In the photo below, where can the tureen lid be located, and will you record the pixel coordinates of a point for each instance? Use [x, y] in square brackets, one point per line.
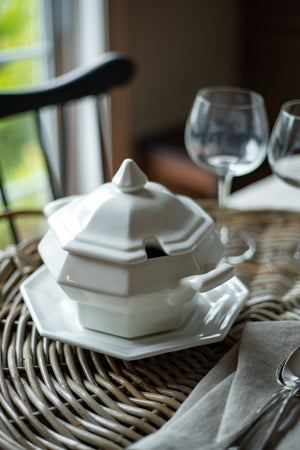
[120, 220]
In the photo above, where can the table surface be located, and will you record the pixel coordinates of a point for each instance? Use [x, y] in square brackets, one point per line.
[53, 395]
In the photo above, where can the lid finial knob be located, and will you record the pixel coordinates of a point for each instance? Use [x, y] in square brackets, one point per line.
[130, 178]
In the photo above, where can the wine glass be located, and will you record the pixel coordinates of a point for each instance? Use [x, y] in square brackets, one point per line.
[226, 133]
[284, 159]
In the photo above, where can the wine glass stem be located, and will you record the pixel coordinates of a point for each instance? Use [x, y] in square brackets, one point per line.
[224, 188]
[297, 252]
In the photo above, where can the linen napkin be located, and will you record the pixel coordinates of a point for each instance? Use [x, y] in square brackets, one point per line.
[230, 394]
[269, 193]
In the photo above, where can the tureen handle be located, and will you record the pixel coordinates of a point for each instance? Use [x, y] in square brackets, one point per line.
[55, 205]
[209, 280]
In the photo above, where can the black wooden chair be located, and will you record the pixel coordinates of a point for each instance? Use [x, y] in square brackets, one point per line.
[112, 69]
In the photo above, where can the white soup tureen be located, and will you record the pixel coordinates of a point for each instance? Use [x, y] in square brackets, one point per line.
[131, 253]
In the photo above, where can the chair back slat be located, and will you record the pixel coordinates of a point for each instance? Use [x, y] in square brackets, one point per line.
[5, 201]
[63, 145]
[43, 142]
[105, 153]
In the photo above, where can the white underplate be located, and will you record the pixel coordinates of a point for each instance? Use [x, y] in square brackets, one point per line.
[206, 319]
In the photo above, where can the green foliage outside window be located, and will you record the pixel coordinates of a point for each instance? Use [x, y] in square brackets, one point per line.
[20, 156]
[14, 13]
[20, 26]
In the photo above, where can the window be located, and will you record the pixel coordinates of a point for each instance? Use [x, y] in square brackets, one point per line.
[24, 53]
[40, 39]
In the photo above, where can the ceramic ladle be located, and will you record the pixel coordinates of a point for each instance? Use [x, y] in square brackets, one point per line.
[288, 376]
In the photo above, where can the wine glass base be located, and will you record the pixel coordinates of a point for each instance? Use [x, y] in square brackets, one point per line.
[240, 247]
[286, 260]
[288, 266]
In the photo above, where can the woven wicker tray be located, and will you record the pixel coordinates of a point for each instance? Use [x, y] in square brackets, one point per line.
[54, 395]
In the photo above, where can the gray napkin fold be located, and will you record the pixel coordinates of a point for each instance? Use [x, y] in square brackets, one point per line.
[230, 394]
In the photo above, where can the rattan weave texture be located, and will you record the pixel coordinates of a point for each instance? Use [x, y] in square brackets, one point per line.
[53, 395]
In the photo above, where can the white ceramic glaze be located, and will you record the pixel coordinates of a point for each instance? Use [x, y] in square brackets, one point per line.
[98, 249]
[205, 319]
[118, 226]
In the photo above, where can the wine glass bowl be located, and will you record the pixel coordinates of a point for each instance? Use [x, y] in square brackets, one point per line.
[284, 159]
[226, 133]
[284, 146]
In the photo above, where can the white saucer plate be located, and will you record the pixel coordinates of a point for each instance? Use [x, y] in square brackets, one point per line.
[206, 319]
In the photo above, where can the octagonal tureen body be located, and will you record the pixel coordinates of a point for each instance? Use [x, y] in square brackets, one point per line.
[131, 253]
